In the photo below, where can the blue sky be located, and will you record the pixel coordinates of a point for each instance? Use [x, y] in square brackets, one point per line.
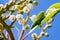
[54, 31]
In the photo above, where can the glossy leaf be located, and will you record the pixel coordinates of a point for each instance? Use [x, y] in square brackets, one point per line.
[40, 17]
[51, 12]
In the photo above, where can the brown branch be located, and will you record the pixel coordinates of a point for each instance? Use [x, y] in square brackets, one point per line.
[7, 29]
[4, 36]
[10, 33]
[7, 36]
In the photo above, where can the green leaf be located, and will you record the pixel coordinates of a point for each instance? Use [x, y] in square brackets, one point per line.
[40, 17]
[51, 12]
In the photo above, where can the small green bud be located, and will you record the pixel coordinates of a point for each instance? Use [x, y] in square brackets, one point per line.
[35, 3]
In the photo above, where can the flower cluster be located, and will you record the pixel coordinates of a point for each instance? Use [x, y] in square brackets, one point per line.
[24, 6]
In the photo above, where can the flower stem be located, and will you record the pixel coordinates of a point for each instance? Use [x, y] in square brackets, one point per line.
[20, 37]
[4, 36]
[29, 32]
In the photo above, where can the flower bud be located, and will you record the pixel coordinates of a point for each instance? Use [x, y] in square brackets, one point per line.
[3, 16]
[19, 16]
[46, 34]
[30, 1]
[26, 27]
[12, 18]
[30, 6]
[33, 18]
[35, 3]
[26, 9]
[34, 35]
[49, 25]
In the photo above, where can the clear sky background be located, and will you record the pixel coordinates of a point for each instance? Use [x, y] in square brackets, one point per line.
[54, 31]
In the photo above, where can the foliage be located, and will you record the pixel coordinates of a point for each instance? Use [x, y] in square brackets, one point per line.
[25, 6]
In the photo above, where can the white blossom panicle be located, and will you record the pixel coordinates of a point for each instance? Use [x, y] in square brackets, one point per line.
[12, 18]
[19, 16]
[33, 18]
[26, 9]
[30, 6]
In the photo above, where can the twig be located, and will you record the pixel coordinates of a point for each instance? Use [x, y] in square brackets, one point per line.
[28, 17]
[7, 29]
[29, 32]
[21, 34]
[4, 36]
[12, 23]
[43, 29]
[7, 36]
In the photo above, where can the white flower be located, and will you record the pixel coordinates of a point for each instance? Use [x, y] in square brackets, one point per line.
[12, 18]
[26, 10]
[1, 5]
[33, 18]
[19, 16]
[30, 6]
[3, 16]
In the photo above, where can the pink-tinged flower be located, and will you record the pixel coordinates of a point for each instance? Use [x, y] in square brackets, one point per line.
[22, 0]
